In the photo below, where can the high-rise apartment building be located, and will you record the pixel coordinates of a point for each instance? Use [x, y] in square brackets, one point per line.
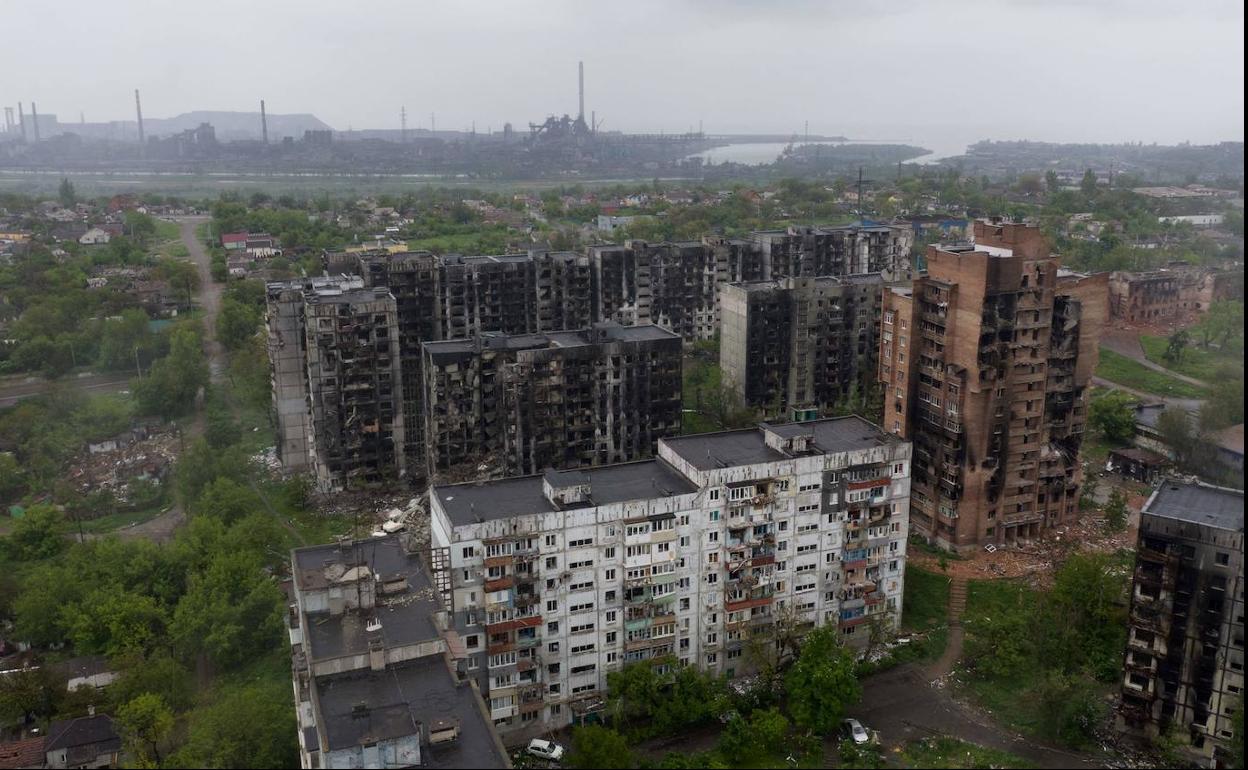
[558, 579]
[526, 402]
[1184, 663]
[355, 402]
[809, 250]
[986, 363]
[800, 345]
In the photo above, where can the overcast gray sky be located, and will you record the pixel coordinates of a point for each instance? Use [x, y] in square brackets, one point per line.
[929, 72]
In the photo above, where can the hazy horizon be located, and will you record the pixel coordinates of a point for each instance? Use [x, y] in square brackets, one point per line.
[905, 71]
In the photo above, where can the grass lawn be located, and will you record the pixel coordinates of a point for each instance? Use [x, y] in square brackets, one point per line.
[954, 753]
[1132, 374]
[115, 521]
[700, 377]
[1196, 362]
[926, 600]
[167, 231]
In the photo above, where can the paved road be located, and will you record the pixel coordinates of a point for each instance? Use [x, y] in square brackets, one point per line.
[1189, 404]
[14, 389]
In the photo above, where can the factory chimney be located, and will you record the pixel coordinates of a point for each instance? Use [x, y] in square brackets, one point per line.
[34, 119]
[264, 123]
[8, 120]
[138, 111]
[21, 120]
[580, 80]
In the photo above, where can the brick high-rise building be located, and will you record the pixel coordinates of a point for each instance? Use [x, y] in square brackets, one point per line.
[527, 402]
[986, 362]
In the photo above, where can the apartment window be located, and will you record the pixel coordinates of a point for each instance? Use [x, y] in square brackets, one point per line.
[585, 669]
[711, 537]
[611, 637]
[582, 648]
[472, 641]
[586, 607]
[581, 564]
[581, 543]
[551, 541]
[1222, 559]
[552, 562]
[553, 628]
[713, 494]
[711, 659]
[714, 516]
[470, 552]
[609, 553]
[552, 605]
[581, 629]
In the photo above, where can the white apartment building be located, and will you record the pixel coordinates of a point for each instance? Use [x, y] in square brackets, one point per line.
[558, 579]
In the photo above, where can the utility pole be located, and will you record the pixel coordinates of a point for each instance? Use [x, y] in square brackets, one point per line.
[138, 371]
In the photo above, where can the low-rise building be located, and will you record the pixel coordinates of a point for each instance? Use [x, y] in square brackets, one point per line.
[1184, 662]
[558, 579]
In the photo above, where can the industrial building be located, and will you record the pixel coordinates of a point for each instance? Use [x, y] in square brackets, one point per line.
[1184, 662]
[558, 579]
[799, 346]
[986, 363]
[522, 403]
[1171, 294]
[375, 673]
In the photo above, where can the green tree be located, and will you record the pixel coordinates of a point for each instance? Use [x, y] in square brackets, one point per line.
[1225, 405]
[755, 739]
[1113, 417]
[171, 385]
[600, 747]
[1116, 512]
[1222, 323]
[226, 500]
[822, 681]
[27, 694]
[1175, 427]
[1087, 185]
[182, 276]
[12, 477]
[140, 227]
[146, 725]
[1051, 182]
[65, 193]
[236, 323]
[39, 534]
[1176, 343]
[246, 726]
[116, 622]
[232, 611]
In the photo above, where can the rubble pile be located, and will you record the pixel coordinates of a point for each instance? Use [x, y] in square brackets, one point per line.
[113, 465]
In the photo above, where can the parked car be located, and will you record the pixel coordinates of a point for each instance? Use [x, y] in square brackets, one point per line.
[852, 730]
[546, 749]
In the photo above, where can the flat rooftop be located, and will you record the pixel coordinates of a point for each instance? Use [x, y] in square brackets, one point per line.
[708, 451]
[406, 617]
[1198, 504]
[367, 706]
[489, 500]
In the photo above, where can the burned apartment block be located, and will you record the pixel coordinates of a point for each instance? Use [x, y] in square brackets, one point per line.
[412, 278]
[676, 285]
[1184, 662]
[986, 363]
[285, 326]
[355, 399]
[723, 543]
[800, 346]
[809, 250]
[518, 404]
[378, 681]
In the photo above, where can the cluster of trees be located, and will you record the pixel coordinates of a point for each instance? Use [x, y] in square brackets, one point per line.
[662, 698]
[1058, 646]
[205, 606]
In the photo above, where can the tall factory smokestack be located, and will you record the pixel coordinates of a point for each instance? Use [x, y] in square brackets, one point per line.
[34, 119]
[21, 120]
[580, 81]
[264, 123]
[8, 120]
[138, 111]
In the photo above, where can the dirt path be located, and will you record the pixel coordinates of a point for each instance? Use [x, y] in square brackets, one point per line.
[953, 648]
